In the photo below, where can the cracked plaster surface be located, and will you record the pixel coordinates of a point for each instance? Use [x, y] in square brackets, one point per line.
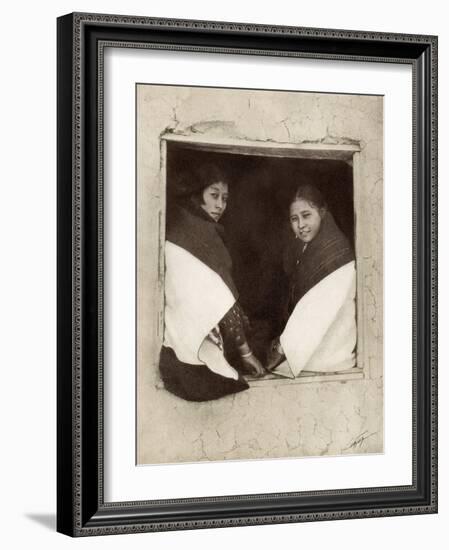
[316, 419]
[276, 421]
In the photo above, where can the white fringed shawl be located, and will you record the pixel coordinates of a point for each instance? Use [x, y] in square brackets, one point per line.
[196, 299]
[320, 334]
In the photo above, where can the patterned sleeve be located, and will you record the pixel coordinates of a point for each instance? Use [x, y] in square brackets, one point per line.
[234, 325]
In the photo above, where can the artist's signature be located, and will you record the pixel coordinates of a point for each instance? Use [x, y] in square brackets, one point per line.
[357, 443]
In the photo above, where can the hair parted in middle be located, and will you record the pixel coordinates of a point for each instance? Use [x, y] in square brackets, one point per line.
[311, 194]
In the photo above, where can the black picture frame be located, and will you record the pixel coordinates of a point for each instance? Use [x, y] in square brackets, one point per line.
[81, 510]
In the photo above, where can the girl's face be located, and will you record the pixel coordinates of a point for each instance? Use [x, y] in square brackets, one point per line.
[215, 198]
[305, 219]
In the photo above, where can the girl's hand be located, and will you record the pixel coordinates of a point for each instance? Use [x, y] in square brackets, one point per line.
[253, 365]
[275, 355]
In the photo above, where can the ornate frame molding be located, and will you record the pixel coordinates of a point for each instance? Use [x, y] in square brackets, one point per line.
[81, 41]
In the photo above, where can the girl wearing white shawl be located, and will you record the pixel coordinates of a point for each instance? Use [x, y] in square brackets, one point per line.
[202, 314]
[320, 331]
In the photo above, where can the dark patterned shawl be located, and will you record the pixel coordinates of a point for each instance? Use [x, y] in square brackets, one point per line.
[191, 228]
[326, 253]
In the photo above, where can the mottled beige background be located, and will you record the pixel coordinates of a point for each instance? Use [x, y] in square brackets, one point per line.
[331, 415]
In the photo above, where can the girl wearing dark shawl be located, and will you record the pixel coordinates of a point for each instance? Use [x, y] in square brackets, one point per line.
[202, 316]
[320, 331]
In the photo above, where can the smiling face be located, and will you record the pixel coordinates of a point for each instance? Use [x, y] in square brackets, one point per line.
[215, 198]
[305, 219]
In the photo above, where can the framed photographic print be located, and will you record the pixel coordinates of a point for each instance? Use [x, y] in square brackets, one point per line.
[247, 283]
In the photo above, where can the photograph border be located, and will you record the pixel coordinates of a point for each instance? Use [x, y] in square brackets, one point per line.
[81, 510]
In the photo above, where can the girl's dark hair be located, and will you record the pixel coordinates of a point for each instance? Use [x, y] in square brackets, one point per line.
[311, 194]
[206, 174]
[203, 176]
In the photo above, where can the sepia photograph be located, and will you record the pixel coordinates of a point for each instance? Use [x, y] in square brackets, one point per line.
[259, 276]
[247, 274]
